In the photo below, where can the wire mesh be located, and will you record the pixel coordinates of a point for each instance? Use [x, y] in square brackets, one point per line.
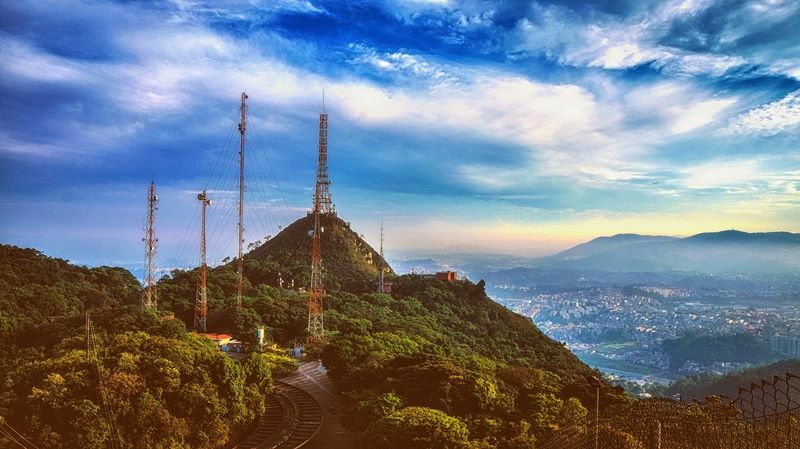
[762, 416]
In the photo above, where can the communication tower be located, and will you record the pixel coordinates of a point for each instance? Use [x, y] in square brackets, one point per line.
[201, 301]
[150, 298]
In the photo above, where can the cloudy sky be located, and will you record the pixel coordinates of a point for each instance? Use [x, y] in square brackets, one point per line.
[502, 126]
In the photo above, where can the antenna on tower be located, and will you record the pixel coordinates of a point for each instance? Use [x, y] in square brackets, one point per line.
[242, 140]
[201, 300]
[150, 298]
[322, 206]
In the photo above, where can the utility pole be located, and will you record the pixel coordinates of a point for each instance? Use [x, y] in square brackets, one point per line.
[150, 299]
[242, 139]
[322, 205]
[380, 263]
[596, 382]
[201, 301]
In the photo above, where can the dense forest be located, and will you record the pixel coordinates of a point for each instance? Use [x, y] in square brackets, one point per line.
[707, 349]
[701, 385]
[163, 387]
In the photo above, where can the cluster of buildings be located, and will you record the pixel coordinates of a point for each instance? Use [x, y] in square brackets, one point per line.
[784, 345]
[616, 325]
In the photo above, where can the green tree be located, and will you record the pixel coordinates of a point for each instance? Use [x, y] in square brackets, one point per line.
[418, 428]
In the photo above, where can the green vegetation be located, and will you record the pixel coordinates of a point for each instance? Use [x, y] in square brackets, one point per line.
[707, 349]
[701, 385]
[164, 388]
[447, 347]
[35, 289]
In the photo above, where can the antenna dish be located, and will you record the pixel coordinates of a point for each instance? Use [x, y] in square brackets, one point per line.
[311, 233]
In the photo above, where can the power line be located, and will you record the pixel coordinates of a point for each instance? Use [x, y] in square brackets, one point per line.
[11, 437]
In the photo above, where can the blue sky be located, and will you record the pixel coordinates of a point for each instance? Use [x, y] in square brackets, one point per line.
[499, 126]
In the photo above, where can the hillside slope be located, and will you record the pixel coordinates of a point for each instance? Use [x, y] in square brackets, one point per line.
[702, 385]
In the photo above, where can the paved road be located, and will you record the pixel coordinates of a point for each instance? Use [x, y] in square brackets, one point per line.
[313, 378]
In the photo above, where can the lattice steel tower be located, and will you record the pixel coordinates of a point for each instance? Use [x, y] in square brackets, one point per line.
[242, 140]
[380, 264]
[150, 298]
[201, 301]
[322, 193]
[322, 206]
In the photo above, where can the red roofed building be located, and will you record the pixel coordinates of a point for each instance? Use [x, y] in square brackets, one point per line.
[447, 276]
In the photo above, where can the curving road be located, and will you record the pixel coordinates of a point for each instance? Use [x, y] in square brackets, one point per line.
[301, 412]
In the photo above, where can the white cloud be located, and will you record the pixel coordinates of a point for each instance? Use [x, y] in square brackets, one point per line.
[21, 59]
[611, 42]
[721, 174]
[699, 114]
[398, 61]
[772, 118]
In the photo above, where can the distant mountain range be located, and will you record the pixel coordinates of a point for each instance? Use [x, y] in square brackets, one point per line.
[719, 253]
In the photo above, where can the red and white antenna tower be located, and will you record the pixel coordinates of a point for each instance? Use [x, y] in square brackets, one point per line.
[322, 206]
[150, 298]
[242, 140]
[201, 301]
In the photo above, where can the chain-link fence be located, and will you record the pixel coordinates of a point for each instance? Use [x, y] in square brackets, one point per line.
[763, 416]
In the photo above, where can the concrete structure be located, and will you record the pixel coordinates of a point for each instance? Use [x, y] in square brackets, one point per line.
[785, 345]
[447, 276]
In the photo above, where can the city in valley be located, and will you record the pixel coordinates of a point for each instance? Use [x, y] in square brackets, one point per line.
[622, 331]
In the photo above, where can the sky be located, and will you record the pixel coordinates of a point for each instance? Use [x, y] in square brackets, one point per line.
[479, 125]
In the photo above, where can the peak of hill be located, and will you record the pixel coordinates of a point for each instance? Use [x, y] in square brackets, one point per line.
[602, 244]
[734, 236]
[348, 261]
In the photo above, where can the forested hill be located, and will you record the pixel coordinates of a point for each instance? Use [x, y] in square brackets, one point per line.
[164, 387]
[437, 361]
[35, 289]
[350, 263]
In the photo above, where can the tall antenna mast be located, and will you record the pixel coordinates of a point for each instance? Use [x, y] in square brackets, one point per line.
[150, 299]
[322, 193]
[201, 301]
[380, 263]
[242, 139]
[322, 205]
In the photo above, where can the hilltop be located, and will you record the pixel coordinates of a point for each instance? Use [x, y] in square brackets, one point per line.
[350, 263]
